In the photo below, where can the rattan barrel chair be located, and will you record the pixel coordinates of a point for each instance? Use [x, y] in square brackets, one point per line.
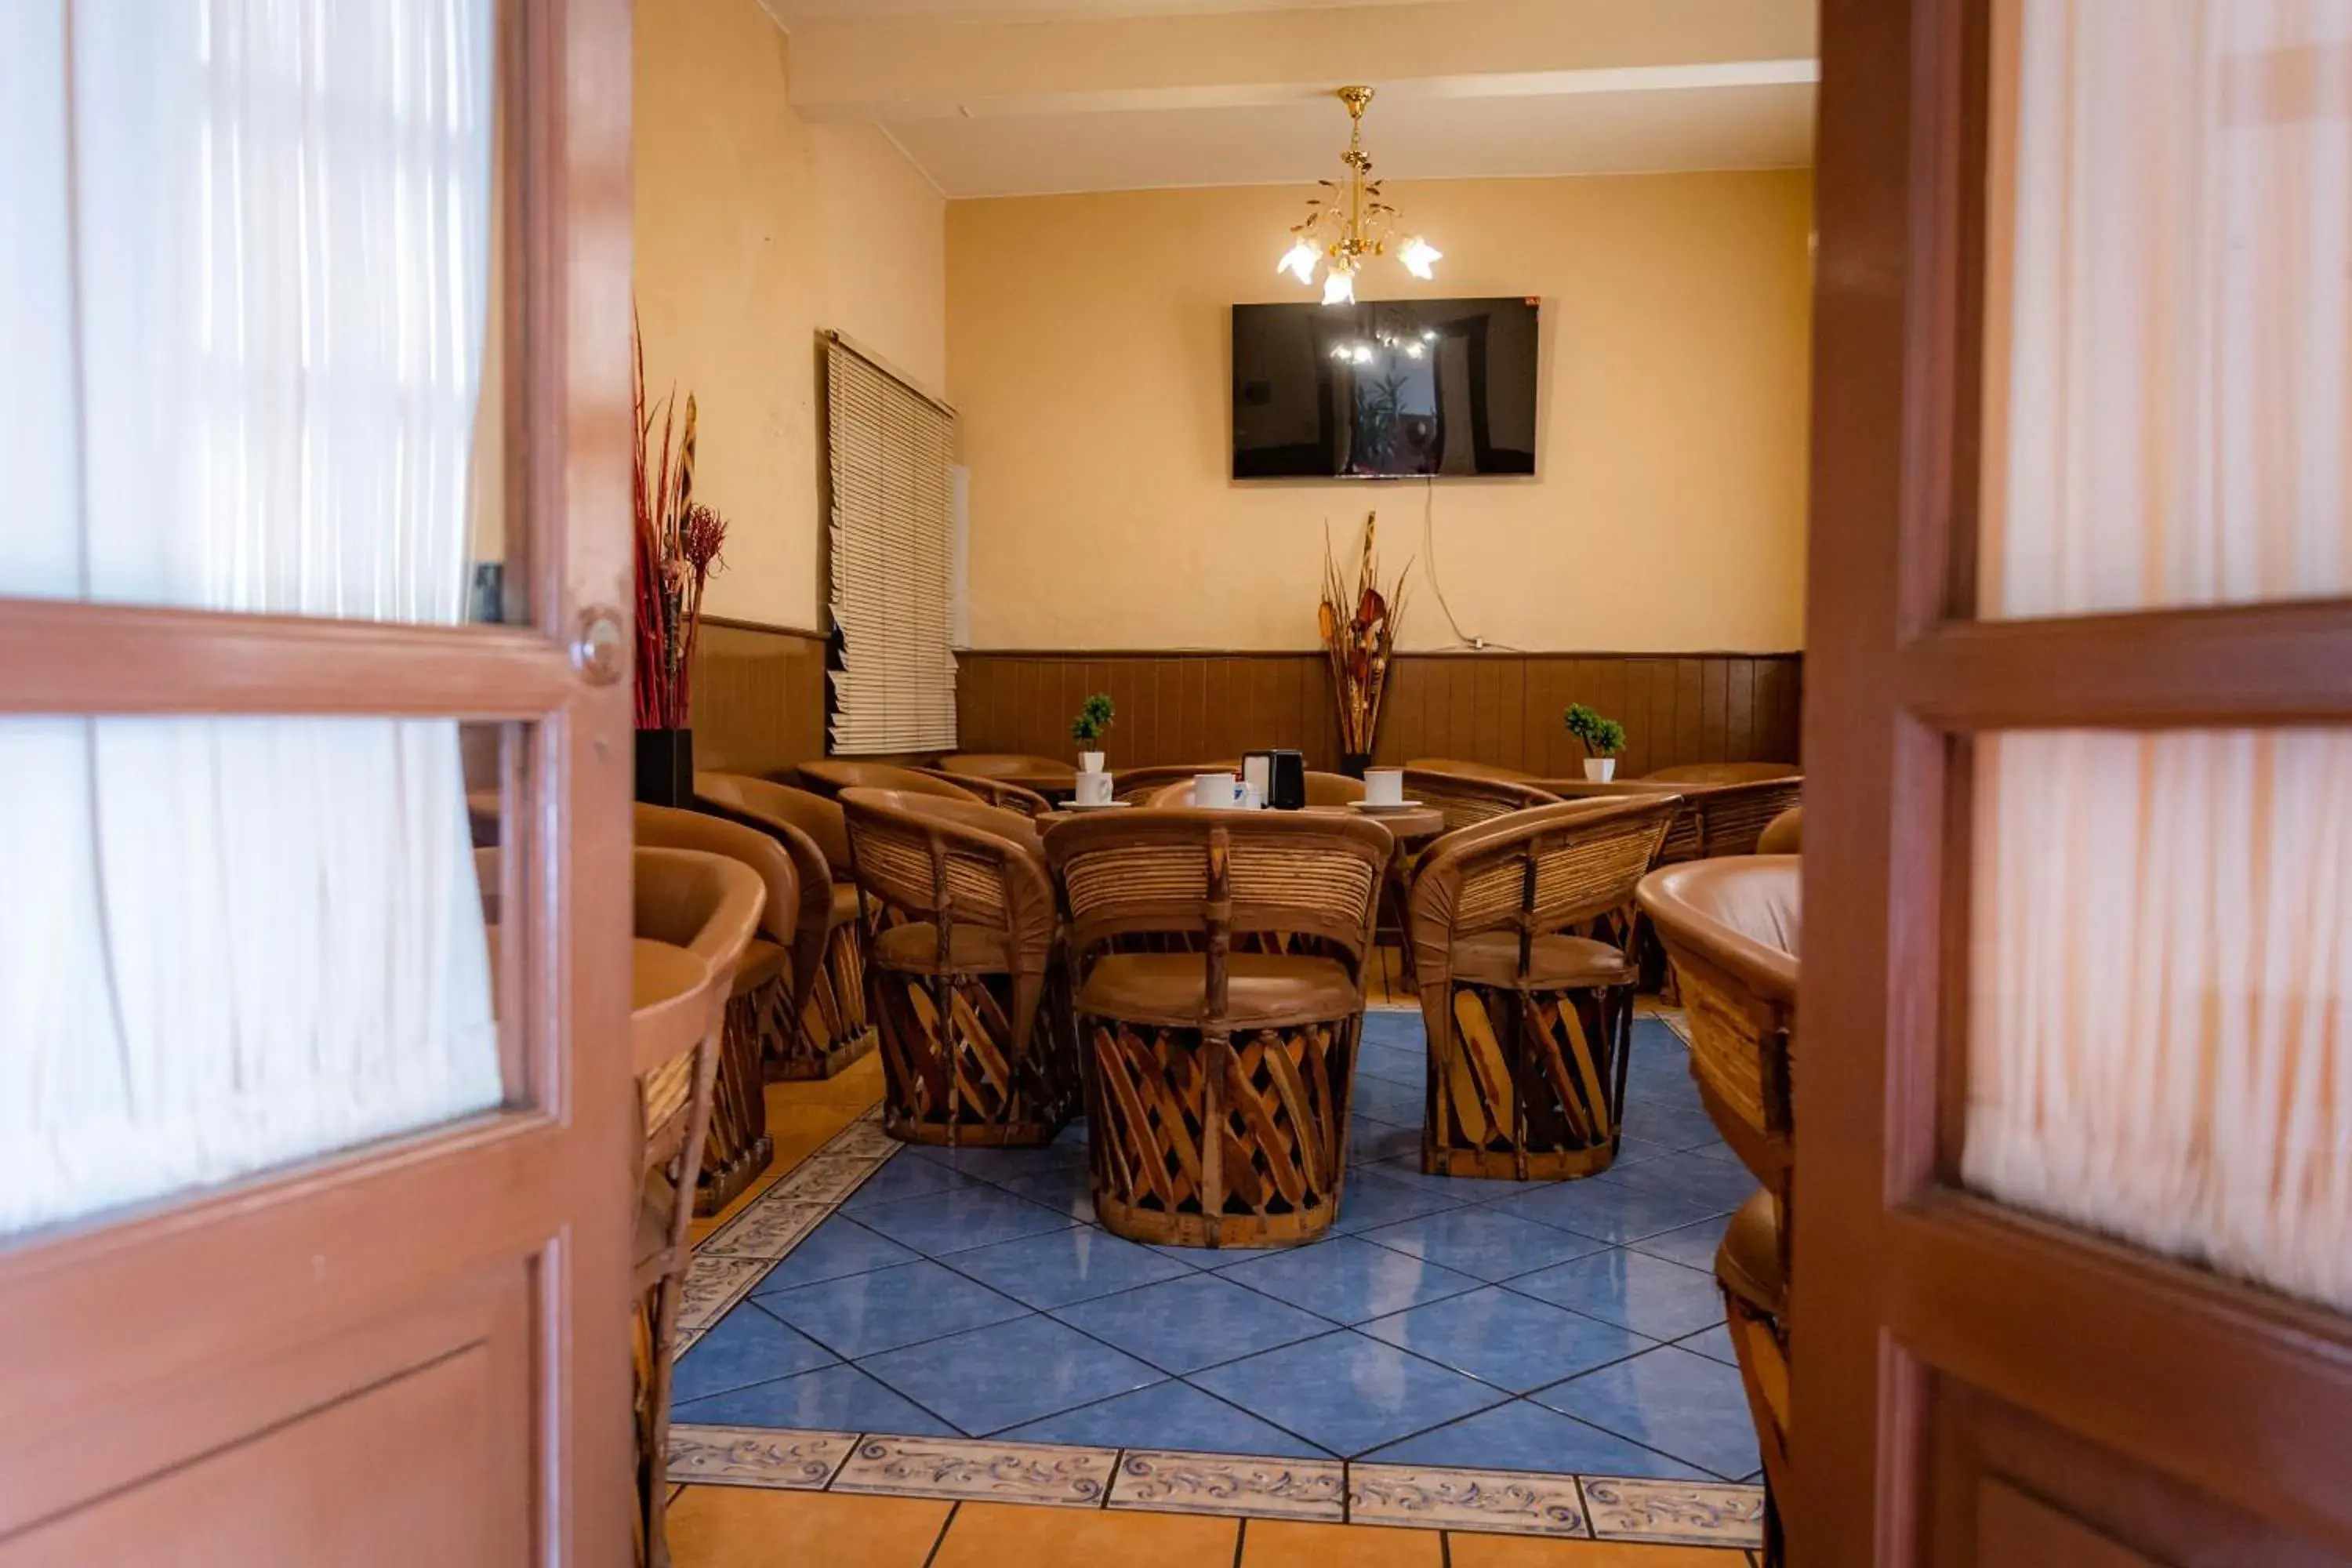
[1138, 786]
[1463, 767]
[1529, 1020]
[760, 1013]
[834, 774]
[1722, 772]
[1041, 776]
[1731, 817]
[1218, 1081]
[830, 1026]
[1784, 835]
[1463, 799]
[969, 991]
[1000, 793]
[709, 905]
[1731, 929]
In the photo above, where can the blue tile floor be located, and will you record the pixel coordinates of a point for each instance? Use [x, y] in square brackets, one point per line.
[1561, 1327]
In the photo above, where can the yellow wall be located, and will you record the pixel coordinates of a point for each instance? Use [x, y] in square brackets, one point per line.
[755, 231]
[1088, 346]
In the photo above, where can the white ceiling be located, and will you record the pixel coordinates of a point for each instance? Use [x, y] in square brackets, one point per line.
[994, 98]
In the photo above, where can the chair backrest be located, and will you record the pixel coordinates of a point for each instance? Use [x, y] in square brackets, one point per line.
[809, 828]
[834, 774]
[1003, 766]
[1220, 873]
[765, 805]
[1176, 793]
[1534, 872]
[997, 793]
[1138, 786]
[666, 827]
[1463, 767]
[1602, 789]
[708, 904]
[1722, 772]
[1731, 817]
[955, 862]
[1784, 835]
[1332, 789]
[1462, 799]
[1730, 927]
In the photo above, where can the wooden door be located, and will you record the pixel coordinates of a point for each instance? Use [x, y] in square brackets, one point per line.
[412, 1349]
[2079, 533]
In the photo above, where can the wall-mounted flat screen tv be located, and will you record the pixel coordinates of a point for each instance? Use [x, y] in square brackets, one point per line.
[1384, 390]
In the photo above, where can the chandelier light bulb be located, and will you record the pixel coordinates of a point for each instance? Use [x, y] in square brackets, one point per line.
[1352, 220]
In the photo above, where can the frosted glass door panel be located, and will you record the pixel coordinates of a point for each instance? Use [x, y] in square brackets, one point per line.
[2168, 311]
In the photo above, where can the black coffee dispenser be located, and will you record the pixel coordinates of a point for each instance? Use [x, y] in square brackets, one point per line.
[1281, 777]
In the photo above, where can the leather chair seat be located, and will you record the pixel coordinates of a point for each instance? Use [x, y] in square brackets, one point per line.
[1748, 1260]
[761, 961]
[914, 949]
[1554, 963]
[1263, 989]
[844, 905]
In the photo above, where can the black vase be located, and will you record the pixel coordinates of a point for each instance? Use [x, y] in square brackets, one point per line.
[665, 767]
[1353, 763]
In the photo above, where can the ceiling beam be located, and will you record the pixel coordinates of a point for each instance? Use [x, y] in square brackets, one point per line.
[899, 71]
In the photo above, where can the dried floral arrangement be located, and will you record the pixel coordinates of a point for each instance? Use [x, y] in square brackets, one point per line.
[1360, 624]
[678, 545]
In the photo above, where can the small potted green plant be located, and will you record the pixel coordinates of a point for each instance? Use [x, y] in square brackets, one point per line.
[1602, 738]
[1087, 729]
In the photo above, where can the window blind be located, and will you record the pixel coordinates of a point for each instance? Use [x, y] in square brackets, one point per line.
[890, 451]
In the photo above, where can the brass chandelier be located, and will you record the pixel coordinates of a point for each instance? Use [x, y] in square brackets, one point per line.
[1343, 228]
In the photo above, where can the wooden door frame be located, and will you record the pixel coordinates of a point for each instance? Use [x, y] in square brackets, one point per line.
[1909, 1291]
[266, 1276]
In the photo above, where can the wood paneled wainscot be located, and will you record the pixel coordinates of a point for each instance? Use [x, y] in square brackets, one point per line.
[759, 697]
[1497, 708]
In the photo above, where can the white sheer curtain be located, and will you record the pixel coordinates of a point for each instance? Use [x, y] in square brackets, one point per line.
[2162, 986]
[243, 281]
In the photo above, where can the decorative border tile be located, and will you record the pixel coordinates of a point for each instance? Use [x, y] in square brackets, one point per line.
[1690, 1512]
[757, 1456]
[863, 1140]
[1231, 1485]
[1501, 1502]
[713, 1285]
[824, 1177]
[998, 1472]
[766, 1229]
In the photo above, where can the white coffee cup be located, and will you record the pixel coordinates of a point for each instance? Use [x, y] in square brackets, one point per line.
[1384, 787]
[1094, 789]
[1214, 790]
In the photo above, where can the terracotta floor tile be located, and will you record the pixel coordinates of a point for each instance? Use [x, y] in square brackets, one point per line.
[856, 1086]
[1003, 1535]
[741, 1527]
[1529, 1552]
[799, 1131]
[1286, 1543]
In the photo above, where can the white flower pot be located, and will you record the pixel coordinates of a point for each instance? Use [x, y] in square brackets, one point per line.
[1600, 770]
[1090, 762]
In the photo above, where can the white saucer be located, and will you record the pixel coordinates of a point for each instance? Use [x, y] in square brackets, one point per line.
[1094, 805]
[1378, 808]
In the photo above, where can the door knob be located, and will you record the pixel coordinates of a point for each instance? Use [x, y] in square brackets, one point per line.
[597, 652]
